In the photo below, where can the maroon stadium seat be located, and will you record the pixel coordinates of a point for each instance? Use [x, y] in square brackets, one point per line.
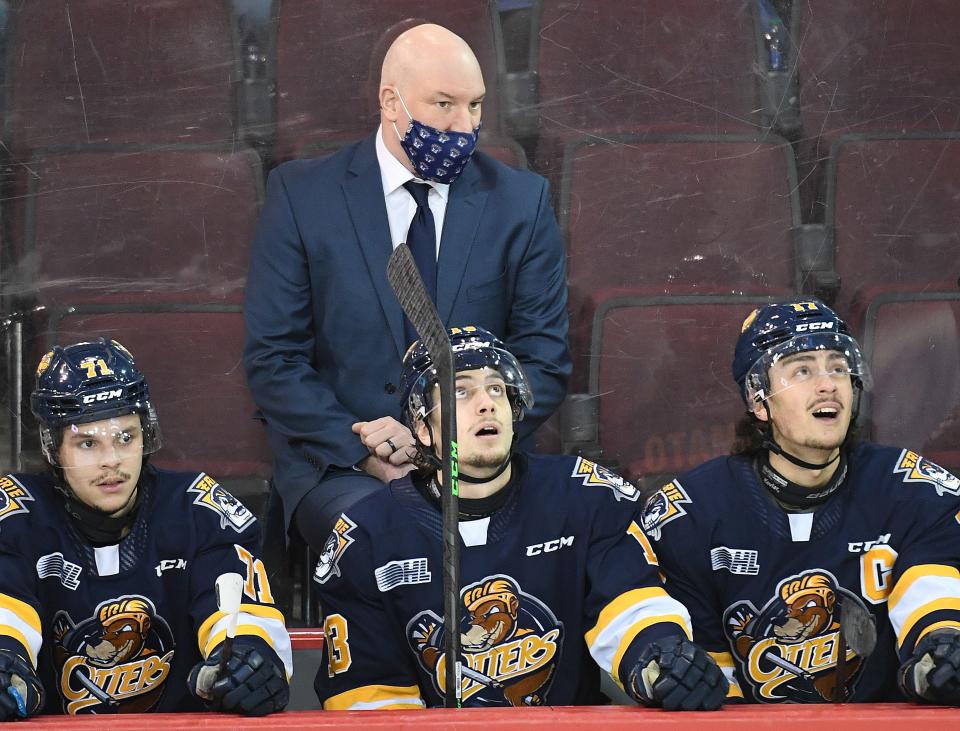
[327, 57]
[97, 221]
[712, 212]
[883, 65]
[661, 369]
[111, 71]
[191, 356]
[627, 67]
[912, 342]
[892, 204]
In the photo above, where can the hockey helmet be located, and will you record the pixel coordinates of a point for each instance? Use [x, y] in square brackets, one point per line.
[86, 382]
[473, 347]
[777, 330]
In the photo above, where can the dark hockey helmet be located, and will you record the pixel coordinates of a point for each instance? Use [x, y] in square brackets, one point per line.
[473, 347]
[88, 382]
[776, 330]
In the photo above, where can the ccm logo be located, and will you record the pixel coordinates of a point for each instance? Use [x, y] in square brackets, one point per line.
[803, 326]
[103, 396]
[550, 546]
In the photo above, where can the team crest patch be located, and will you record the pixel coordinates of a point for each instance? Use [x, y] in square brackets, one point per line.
[788, 650]
[664, 506]
[116, 661]
[593, 474]
[510, 640]
[212, 495]
[13, 497]
[334, 547]
[915, 468]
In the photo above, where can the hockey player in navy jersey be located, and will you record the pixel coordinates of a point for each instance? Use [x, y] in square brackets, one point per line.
[108, 565]
[557, 577]
[815, 567]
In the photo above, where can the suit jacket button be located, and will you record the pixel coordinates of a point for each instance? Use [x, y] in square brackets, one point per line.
[390, 388]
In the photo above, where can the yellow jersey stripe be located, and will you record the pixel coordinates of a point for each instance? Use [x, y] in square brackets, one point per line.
[27, 614]
[725, 661]
[375, 696]
[923, 610]
[615, 608]
[256, 610]
[918, 572]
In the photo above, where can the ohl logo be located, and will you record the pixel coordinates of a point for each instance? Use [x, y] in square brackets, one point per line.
[114, 662]
[788, 650]
[510, 640]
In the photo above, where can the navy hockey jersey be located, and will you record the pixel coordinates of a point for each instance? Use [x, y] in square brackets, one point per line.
[117, 629]
[766, 588]
[560, 573]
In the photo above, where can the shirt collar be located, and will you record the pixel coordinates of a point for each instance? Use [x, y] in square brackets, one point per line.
[393, 174]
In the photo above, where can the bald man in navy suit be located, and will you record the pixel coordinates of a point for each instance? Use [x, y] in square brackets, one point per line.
[325, 333]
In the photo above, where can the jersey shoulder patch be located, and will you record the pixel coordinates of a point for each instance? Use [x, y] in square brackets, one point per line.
[333, 549]
[13, 497]
[592, 474]
[213, 496]
[664, 506]
[918, 469]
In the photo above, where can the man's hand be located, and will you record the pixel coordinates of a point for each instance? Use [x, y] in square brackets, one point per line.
[253, 684]
[21, 693]
[387, 439]
[933, 671]
[678, 675]
[383, 470]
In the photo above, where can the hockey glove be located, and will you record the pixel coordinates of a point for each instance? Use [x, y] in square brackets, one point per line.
[933, 671]
[21, 693]
[678, 675]
[252, 684]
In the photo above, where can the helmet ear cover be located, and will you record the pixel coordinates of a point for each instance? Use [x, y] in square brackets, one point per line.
[87, 382]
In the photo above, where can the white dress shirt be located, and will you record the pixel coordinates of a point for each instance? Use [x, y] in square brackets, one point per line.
[401, 207]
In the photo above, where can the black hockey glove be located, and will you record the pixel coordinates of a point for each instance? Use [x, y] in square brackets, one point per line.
[678, 675]
[933, 671]
[18, 675]
[252, 684]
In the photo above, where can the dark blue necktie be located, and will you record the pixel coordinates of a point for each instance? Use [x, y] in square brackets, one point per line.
[422, 237]
[422, 240]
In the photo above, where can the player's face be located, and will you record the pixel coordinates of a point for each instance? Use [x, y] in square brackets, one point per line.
[812, 401]
[484, 421]
[101, 462]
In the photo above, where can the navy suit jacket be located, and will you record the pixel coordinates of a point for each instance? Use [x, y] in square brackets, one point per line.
[325, 333]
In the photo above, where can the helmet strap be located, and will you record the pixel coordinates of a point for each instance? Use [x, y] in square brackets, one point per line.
[427, 458]
[100, 528]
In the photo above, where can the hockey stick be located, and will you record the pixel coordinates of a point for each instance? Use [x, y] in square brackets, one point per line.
[405, 280]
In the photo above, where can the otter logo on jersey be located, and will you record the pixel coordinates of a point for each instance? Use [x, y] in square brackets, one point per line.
[13, 497]
[116, 661]
[593, 474]
[511, 642]
[334, 547]
[212, 495]
[788, 650]
[665, 505]
[915, 468]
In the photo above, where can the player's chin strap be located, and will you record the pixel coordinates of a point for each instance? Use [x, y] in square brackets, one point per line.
[769, 444]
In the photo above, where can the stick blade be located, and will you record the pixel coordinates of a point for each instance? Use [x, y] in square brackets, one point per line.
[858, 628]
[407, 285]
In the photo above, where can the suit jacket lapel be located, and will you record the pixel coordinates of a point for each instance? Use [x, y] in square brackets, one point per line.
[363, 190]
[464, 207]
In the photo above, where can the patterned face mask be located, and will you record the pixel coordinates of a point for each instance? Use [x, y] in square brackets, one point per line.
[435, 155]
